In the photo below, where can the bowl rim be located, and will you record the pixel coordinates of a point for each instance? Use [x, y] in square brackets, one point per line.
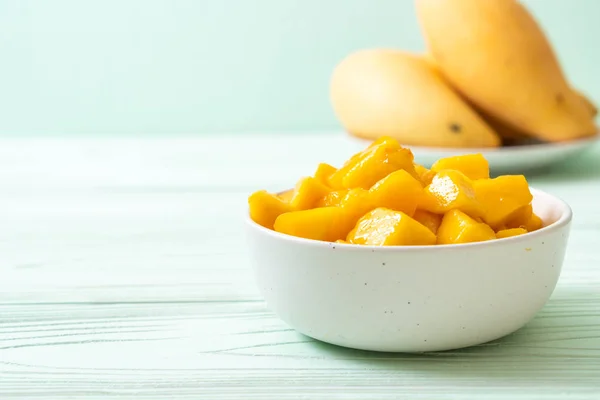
[564, 219]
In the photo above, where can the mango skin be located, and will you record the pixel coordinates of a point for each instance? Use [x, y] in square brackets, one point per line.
[497, 56]
[401, 95]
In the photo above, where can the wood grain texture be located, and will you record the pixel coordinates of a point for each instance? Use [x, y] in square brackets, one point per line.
[123, 274]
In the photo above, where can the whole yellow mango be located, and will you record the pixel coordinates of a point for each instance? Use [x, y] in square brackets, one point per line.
[384, 92]
[497, 56]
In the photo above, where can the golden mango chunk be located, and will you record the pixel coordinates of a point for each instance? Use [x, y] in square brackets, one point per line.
[356, 203]
[307, 193]
[525, 218]
[458, 227]
[385, 141]
[286, 195]
[385, 227]
[428, 219]
[473, 166]
[519, 217]
[534, 223]
[325, 224]
[266, 207]
[375, 163]
[504, 233]
[399, 191]
[451, 190]
[425, 175]
[501, 197]
[323, 172]
[335, 179]
[332, 198]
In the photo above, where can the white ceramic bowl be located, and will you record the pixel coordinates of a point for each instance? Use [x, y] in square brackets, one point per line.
[412, 298]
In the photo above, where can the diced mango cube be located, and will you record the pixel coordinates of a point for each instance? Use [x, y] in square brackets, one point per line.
[325, 224]
[398, 191]
[332, 198]
[286, 195]
[523, 217]
[501, 197]
[519, 217]
[474, 166]
[534, 223]
[266, 207]
[307, 193]
[376, 165]
[425, 175]
[323, 172]
[385, 141]
[335, 179]
[504, 233]
[458, 227]
[385, 227]
[356, 203]
[428, 219]
[451, 190]
[376, 162]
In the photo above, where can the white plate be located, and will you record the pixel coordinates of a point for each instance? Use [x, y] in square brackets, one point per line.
[505, 160]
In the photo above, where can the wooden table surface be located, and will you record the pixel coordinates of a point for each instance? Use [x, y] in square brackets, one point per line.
[123, 274]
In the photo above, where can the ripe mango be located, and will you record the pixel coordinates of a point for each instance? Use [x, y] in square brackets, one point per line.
[384, 92]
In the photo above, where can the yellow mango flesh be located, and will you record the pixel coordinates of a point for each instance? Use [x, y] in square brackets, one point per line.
[325, 224]
[385, 227]
[266, 207]
[451, 190]
[519, 217]
[534, 223]
[510, 232]
[381, 197]
[307, 193]
[524, 217]
[398, 191]
[425, 175]
[473, 166]
[501, 197]
[335, 179]
[458, 227]
[323, 172]
[375, 163]
[332, 198]
[286, 196]
[356, 203]
[428, 219]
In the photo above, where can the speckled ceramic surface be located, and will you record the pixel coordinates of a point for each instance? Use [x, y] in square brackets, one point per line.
[412, 299]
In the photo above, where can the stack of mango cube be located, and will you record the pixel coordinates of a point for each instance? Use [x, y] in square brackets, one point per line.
[381, 197]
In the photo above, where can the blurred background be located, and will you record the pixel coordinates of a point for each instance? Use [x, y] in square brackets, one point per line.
[148, 67]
